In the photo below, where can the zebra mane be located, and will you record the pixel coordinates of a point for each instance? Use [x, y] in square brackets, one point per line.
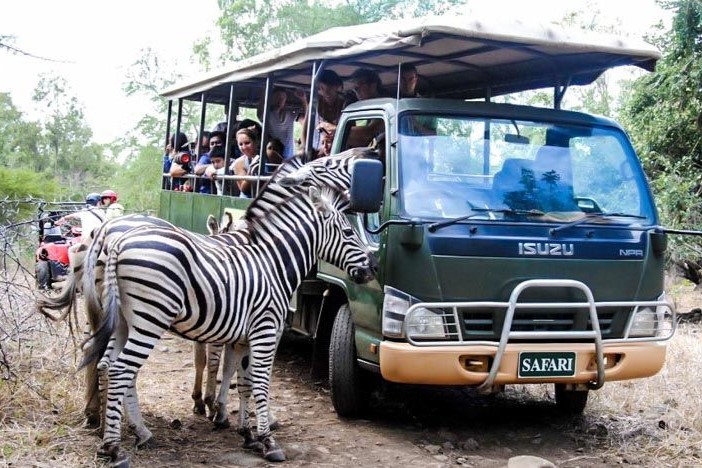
[273, 194]
[268, 210]
[286, 167]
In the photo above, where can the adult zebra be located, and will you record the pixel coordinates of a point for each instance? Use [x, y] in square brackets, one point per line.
[333, 171]
[160, 279]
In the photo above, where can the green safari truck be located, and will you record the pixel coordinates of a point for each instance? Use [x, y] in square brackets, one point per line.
[515, 244]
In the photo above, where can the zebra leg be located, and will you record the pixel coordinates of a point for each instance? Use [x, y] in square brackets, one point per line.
[243, 386]
[221, 419]
[92, 410]
[262, 353]
[200, 360]
[122, 362]
[144, 437]
[214, 351]
[101, 370]
[94, 396]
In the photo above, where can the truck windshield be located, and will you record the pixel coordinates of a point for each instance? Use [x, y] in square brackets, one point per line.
[477, 168]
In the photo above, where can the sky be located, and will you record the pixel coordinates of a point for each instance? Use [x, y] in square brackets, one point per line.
[92, 44]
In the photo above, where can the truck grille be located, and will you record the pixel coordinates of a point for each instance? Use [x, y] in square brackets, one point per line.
[486, 324]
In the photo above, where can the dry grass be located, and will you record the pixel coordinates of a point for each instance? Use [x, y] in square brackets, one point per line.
[41, 407]
[650, 422]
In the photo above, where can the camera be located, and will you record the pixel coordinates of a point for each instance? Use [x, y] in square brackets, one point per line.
[183, 159]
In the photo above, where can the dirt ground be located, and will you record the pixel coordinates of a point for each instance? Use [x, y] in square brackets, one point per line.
[645, 423]
[407, 426]
[421, 426]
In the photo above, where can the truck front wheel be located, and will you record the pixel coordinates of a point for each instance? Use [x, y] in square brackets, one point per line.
[570, 402]
[349, 384]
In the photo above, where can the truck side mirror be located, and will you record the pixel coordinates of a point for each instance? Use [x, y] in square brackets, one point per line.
[366, 192]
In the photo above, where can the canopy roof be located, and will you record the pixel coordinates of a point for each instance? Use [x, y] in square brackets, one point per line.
[455, 57]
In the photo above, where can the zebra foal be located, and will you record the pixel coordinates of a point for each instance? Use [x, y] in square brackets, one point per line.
[160, 279]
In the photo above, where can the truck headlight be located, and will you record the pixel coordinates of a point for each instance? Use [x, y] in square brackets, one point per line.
[644, 323]
[395, 305]
[423, 323]
[652, 321]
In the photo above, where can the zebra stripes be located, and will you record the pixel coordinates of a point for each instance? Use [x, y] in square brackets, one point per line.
[334, 171]
[161, 279]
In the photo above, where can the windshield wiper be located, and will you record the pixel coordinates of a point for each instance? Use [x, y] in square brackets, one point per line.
[591, 216]
[478, 211]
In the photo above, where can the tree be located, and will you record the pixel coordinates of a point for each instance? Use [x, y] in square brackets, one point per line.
[19, 145]
[249, 27]
[665, 108]
[66, 139]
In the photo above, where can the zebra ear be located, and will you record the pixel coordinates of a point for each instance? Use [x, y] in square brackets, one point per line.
[297, 177]
[228, 222]
[319, 202]
[212, 225]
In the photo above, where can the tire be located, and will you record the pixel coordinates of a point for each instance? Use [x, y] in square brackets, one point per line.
[571, 402]
[350, 391]
[43, 274]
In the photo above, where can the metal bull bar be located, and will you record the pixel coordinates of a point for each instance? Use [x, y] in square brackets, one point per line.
[508, 334]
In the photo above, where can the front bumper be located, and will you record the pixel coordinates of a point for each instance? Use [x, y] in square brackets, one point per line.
[455, 365]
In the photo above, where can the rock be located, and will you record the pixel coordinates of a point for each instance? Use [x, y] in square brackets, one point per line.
[164, 349]
[529, 461]
[505, 451]
[323, 450]
[441, 458]
[433, 449]
[447, 446]
[447, 435]
[470, 445]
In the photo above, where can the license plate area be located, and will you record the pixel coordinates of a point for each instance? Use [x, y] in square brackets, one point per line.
[533, 365]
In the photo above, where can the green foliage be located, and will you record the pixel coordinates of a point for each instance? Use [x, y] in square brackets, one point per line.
[148, 77]
[19, 145]
[138, 182]
[26, 183]
[665, 108]
[249, 27]
[65, 145]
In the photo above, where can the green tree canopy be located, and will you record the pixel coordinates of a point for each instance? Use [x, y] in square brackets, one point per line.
[664, 109]
[249, 27]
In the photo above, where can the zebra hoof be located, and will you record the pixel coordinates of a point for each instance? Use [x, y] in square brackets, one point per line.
[199, 408]
[249, 442]
[121, 463]
[223, 424]
[118, 459]
[92, 421]
[110, 451]
[272, 451]
[145, 444]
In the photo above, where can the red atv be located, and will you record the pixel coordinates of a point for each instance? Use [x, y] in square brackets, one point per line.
[51, 256]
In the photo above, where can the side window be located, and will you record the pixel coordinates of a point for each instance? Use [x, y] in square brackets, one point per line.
[360, 133]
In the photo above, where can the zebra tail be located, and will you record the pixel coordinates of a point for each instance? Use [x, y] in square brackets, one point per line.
[95, 346]
[89, 289]
[64, 299]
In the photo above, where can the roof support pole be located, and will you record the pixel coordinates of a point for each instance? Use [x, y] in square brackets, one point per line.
[264, 131]
[168, 121]
[230, 128]
[312, 109]
[201, 130]
[558, 93]
[179, 119]
[232, 111]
